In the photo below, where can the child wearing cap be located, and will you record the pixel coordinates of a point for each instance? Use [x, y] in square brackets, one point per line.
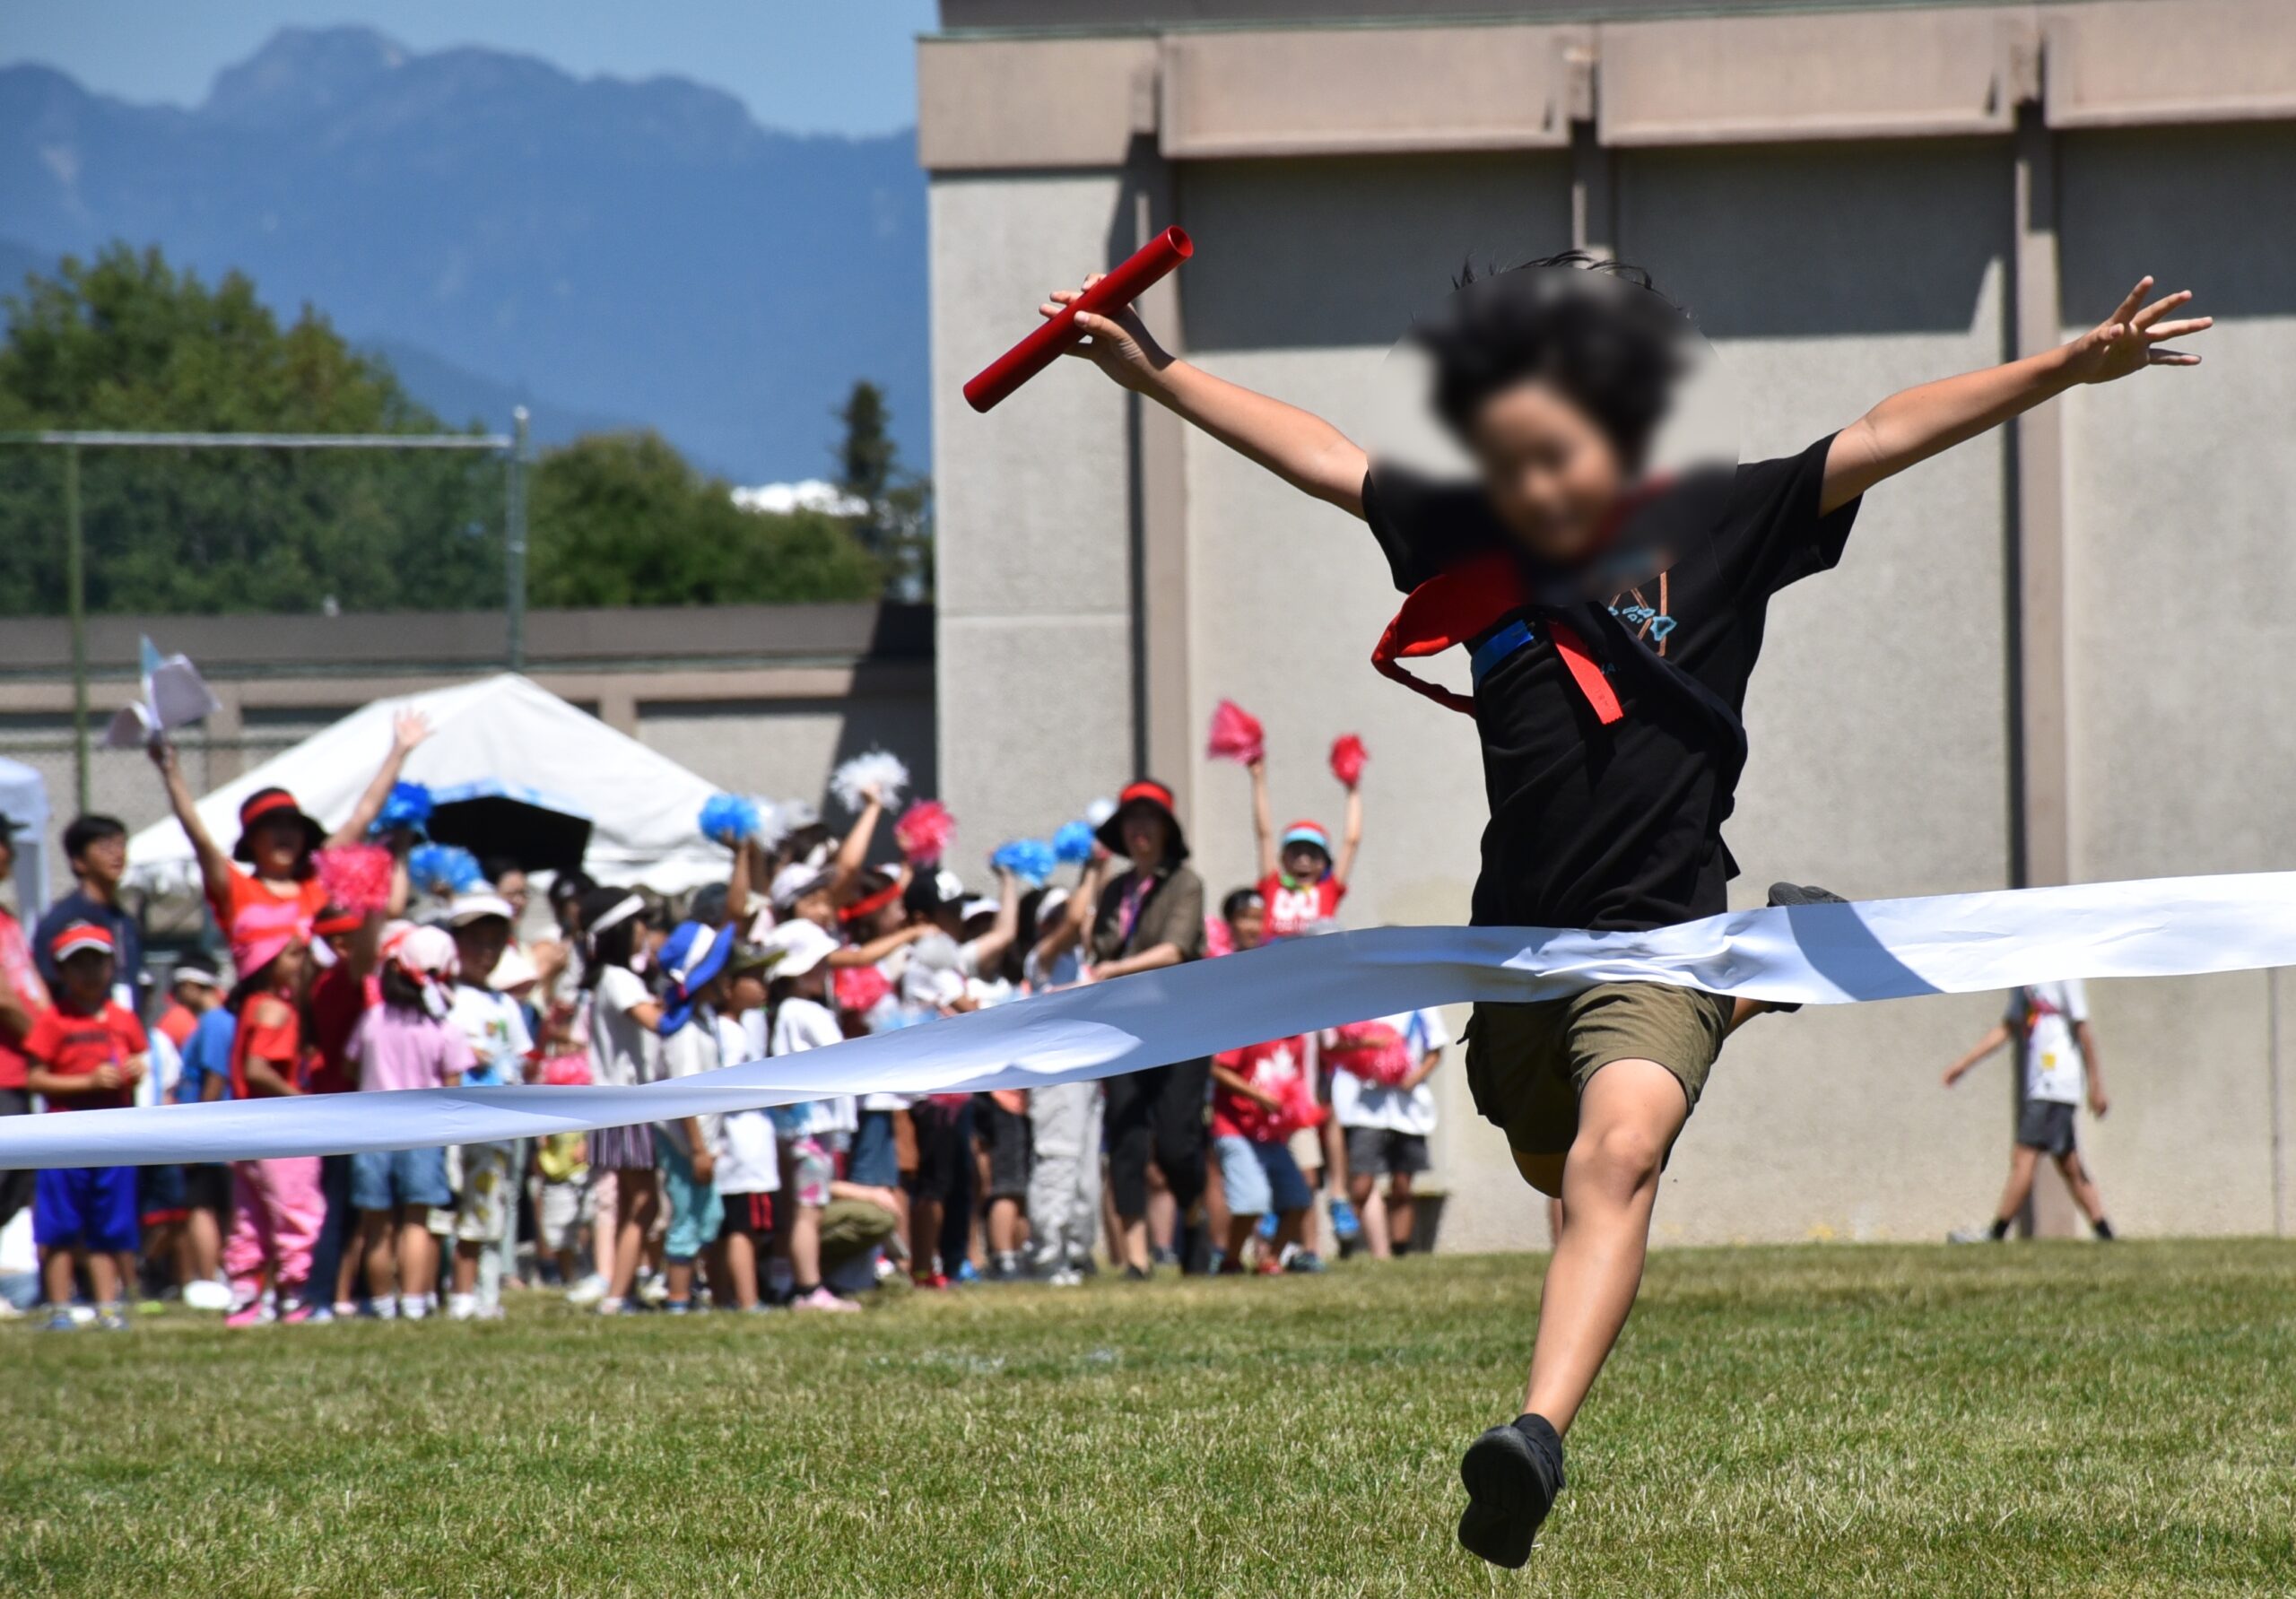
[808, 1132]
[494, 1026]
[85, 1052]
[406, 1041]
[624, 1052]
[749, 1162]
[1064, 1119]
[685, 1150]
[276, 836]
[1301, 881]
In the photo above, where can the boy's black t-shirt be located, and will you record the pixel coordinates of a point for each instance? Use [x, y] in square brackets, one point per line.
[1619, 827]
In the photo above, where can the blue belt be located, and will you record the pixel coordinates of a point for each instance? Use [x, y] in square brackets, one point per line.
[1511, 636]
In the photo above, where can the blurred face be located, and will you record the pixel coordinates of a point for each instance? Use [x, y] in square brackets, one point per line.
[196, 997]
[819, 909]
[885, 919]
[7, 856]
[746, 994]
[1304, 863]
[513, 888]
[287, 970]
[87, 979]
[568, 909]
[1552, 474]
[479, 945]
[1147, 836]
[104, 862]
[1249, 926]
[276, 842]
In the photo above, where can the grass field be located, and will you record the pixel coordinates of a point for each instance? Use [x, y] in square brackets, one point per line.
[2062, 1418]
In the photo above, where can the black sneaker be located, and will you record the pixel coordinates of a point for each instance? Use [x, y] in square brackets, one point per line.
[1512, 1475]
[1782, 894]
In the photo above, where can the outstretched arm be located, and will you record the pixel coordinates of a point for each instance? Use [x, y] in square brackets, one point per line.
[214, 865]
[1985, 1045]
[1299, 446]
[1920, 422]
[1351, 838]
[853, 851]
[1263, 821]
[408, 729]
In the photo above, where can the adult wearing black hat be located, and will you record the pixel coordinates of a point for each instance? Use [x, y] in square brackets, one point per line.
[1150, 916]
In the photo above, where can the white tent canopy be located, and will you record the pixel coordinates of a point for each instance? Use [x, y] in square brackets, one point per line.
[502, 731]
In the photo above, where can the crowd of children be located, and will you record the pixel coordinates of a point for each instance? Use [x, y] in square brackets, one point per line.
[409, 982]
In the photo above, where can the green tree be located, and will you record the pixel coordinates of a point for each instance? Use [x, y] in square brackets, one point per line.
[127, 342]
[896, 527]
[623, 519]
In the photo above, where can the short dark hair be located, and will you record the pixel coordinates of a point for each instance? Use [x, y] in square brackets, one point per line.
[1239, 901]
[500, 866]
[90, 827]
[1597, 330]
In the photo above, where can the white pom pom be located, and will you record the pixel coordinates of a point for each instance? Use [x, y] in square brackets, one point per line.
[1099, 811]
[773, 824]
[879, 771]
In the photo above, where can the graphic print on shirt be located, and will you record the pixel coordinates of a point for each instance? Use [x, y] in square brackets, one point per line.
[1651, 623]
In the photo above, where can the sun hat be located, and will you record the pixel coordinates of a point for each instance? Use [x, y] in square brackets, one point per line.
[199, 976]
[475, 904]
[799, 946]
[1148, 792]
[263, 804]
[516, 969]
[692, 959]
[262, 930]
[793, 882]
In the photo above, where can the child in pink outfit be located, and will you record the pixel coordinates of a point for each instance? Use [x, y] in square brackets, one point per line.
[278, 1207]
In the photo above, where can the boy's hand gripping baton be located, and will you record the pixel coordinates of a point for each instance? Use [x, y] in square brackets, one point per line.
[1131, 279]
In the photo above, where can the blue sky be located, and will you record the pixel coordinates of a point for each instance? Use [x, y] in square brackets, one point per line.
[846, 67]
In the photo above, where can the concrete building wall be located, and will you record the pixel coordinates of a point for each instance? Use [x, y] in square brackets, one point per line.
[1033, 556]
[2182, 579]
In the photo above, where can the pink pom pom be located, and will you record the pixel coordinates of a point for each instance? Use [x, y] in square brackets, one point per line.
[1372, 1051]
[1236, 734]
[924, 832]
[357, 877]
[1347, 759]
[860, 988]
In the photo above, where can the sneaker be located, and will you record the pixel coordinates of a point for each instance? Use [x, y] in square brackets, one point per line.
[306, 1316]
[1066, 1277]
[112, 1319]
[933, 1282]
[1133, 1273]
[1307, 1263]
[1345, 1226]
[255, 1312]
[60, 1320]
[8, 1311]
[965, 1272]
[345, 1309]
[821, 1298]
[587, 1292]
[1231, 1265]
[653, 1290]
[413, 1307]
[207, 1295]
[677, 1306]
[383, 1310]
[1972, 1235]
[461, 1307]
[1004, 1268]
[1512, 1475]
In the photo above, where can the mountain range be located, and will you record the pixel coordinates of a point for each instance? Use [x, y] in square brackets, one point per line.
[612, 253]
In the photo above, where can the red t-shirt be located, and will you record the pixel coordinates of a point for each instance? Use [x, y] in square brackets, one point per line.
[176, 1023]
[1291, 911]
[269, 1029]
[336, 1004]
[1283, 1068]
[309, 897]
[74, 1044]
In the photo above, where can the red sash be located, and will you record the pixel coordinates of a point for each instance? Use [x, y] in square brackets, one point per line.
[1456, 606]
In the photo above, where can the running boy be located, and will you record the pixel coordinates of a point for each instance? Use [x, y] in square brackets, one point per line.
[2050, 1022]
[87, 1053]
[1612, 743]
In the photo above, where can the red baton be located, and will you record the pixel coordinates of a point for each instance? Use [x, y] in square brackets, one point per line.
[1138, 272]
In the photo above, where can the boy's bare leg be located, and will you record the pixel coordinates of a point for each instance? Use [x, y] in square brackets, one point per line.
[1362, 1191]
[375, 1249]
[1628, 1118]
[103, 1276]
[2085, 1192]
[1397, 1213]
[2019, 1187]
[59, 1275]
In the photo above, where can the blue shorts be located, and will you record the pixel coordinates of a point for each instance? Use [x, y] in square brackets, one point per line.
[1261, 1177]
[696, 1210]
[85, 1207]
[381, 1179]
[874, 1162]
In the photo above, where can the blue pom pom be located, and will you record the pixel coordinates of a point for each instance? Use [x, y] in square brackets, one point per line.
[408, 807]
[728, 819]
[1032, 860]
[1073, 842]
[444, 870]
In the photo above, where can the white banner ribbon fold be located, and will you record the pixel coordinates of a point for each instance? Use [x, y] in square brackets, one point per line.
[1816, 954]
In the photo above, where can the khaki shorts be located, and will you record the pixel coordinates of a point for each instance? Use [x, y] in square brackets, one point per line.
[1528, 1063]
